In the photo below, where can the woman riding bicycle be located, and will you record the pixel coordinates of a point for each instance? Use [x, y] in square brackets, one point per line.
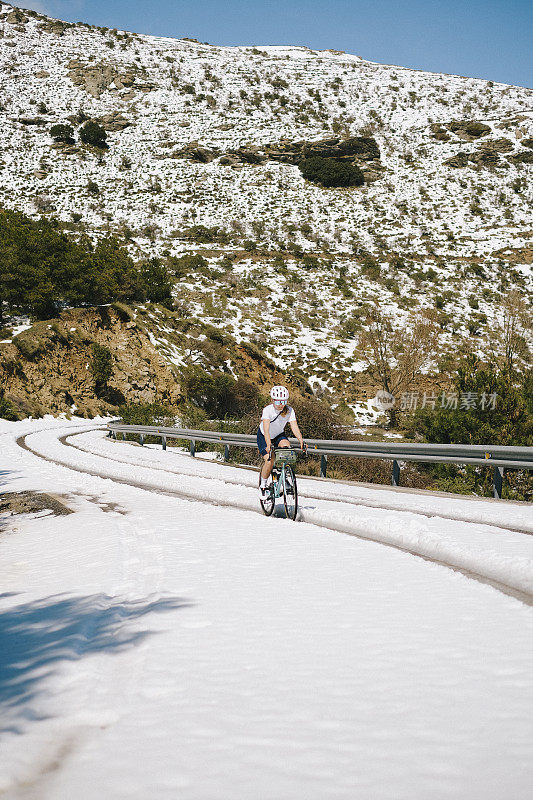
[271, 434]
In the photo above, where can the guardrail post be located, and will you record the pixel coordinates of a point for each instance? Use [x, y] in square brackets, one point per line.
[497, 483]
[323, 466]
[113, 434]
[141, 439]
[226, 452]
[192, 448]
[164, 442]
[395, 473]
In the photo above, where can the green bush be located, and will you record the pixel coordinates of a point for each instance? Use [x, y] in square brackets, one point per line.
[157, 286]
[509, 423]
[220, 395]
[42, 269]
[147, 414]
[186, 265]
[62, 133]
[92, 133]
[205, 235]
[327, 172]
[101, 366]
[7, 409]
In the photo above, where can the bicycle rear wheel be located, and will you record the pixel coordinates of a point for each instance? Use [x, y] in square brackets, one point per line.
[269, 502]
[290, 493]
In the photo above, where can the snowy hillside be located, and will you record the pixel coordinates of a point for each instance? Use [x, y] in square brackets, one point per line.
[442, 223]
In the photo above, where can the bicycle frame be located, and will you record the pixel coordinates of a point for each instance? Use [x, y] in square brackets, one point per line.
[283, 484]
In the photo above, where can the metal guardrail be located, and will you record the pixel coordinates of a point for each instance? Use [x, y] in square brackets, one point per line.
[496, 457]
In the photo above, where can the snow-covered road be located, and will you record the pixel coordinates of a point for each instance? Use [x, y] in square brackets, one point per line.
[157, 646]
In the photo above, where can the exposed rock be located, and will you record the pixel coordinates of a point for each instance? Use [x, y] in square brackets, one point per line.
[496, 146]
[195, 152]
[524, 157]
[527, 142]
[127, 79]
[31, 121]
[469, 131]
[439, 133]
[114, 122]
[362, 148]
[54, 26]
[65, 148]
[46, 366]
[31, 502]
[485, 159]
[230, 161]
[16, 17]
[42, 74]
[458, 160]
[94, 79]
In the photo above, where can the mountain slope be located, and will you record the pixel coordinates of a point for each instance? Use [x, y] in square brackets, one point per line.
[197, 139]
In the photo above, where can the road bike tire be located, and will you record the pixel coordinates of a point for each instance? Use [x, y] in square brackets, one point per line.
[290, 493]
[268, 504]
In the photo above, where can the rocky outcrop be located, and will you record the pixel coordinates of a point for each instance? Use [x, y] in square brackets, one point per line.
[502, 145]
[16, 17]
[114, 122]
[98, 78]
[469, 131]
[486, 155]
[360, 150]
[438, 133]
[523, 157]
[46, 368]
[354, 148]
[458, 160]
[196, 152]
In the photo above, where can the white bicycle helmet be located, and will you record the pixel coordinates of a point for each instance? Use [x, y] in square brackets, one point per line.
[279, 393]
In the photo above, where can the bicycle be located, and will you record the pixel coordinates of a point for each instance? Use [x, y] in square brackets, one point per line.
[283, 483]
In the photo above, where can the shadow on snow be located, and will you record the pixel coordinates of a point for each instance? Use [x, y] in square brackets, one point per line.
[36, 637]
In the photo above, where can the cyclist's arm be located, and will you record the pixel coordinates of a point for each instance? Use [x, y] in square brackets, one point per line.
[266, 428]
[297, 432]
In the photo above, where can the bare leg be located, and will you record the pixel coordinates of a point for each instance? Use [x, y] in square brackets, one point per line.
[266, 469]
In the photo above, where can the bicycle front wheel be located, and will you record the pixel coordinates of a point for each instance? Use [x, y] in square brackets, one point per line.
[290, 493]
[269, 501]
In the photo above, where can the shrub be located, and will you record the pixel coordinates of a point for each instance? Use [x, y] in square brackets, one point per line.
[157, 286]
[7, 409]
[92, 133]
[92, 187]
[185, 265]
[147, 414]
[101, 366]
[62, 133]
[220, 395]
[43, 268]
[327, 172]
[205, 235]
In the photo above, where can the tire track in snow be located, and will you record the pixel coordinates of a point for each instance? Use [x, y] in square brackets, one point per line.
[325, 496]
[518, 593]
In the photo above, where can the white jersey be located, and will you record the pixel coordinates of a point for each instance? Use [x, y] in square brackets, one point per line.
[277, 420]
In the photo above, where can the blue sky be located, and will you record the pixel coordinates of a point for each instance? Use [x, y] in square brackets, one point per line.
[489, 39]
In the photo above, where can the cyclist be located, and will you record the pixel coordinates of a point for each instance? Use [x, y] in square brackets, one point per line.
[271, 434]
